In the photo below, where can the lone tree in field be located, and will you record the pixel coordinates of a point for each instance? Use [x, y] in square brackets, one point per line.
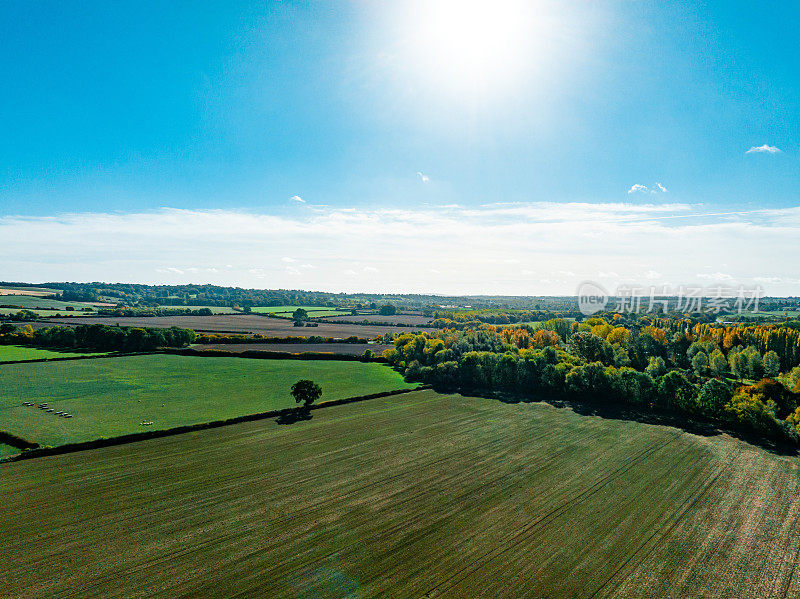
[300, 315]
[307, 392]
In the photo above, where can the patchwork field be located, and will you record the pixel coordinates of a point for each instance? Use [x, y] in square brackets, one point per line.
[239, 323]
[112, 396]
[15, 353]
[347, 349]
[419, 495]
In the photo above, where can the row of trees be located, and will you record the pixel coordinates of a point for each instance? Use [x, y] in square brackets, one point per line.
[586, 365]
[98, 337]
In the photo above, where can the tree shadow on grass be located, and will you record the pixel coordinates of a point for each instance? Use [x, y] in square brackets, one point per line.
[294, 416]
[695, 425]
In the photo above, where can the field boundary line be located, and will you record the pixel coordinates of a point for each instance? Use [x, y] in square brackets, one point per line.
[189, 428]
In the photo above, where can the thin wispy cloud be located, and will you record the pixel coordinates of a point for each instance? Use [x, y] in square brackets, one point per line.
[297, 199]
[765, 149]
[423, 177]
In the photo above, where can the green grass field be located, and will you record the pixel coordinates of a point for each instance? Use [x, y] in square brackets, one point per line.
[7, 450]
[112, 396]
[418, 495]
[287, 311]
[15, 353]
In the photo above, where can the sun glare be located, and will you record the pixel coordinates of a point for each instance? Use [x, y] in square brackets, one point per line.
[474, 44]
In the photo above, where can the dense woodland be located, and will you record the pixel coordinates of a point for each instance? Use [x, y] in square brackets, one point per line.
[747, 376]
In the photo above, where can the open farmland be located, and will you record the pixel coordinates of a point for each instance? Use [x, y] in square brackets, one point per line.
[47, 313]
[410, 319]
[240, 324]
[40, 291]
[16, 353]
[112, 396]
[287, 311]
[34, 302]
[347, 349]
[214, 309]
[419, 495]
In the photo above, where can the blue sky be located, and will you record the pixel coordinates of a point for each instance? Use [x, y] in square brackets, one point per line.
[124, 110]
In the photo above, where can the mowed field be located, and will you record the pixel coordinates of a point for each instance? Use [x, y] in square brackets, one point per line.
[109, 397]
[347, 349]
[418, 495]
[242, 324]
[16, 353]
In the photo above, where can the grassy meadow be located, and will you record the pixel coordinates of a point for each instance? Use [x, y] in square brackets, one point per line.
[287, 311]
[16, 353]
[113, 396]
[7, 450]
[418, 495]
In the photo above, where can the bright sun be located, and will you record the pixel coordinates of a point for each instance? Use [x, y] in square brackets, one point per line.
[474, 44]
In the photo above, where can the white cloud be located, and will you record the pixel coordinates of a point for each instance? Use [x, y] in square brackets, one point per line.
[639, 188]
[765, 149]
[371, 269]
[297, 199]
[661, 243]
[288, 259]
[423, 177]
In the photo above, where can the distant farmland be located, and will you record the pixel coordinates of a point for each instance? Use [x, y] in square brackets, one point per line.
[412, 319]
[113, 396]
[419, 495]
[239, 323]
[288, 311]
[33, 302]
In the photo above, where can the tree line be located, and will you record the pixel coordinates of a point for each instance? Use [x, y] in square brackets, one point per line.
[690, 370]
[97, 337]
